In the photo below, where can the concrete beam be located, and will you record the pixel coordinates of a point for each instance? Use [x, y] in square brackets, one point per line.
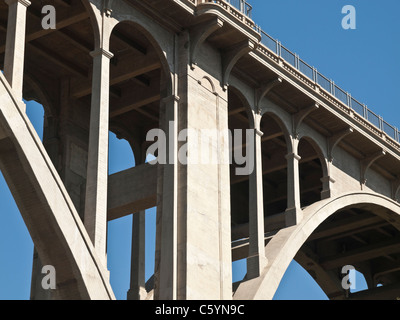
[335, 139]
[264, 89]
[387, 292]
[367, 162]
[132, 190]
[125, 70]
[362, 254]
[232, 55]
[62, 22]
[302, 114]
[199, 33]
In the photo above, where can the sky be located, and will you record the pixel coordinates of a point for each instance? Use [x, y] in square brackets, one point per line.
[365, 62]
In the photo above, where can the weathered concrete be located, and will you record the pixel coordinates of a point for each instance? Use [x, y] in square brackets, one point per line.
[201, 65]
[281, 250]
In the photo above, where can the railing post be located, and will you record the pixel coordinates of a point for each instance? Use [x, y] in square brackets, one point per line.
[348, 100]
[380, 119]
[296, 61]
[95, 217]
[314, 75]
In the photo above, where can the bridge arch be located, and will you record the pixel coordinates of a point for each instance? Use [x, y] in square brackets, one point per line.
[283, 125]
[246, 105]
[313, 170]
[160, 39]
[284, 246]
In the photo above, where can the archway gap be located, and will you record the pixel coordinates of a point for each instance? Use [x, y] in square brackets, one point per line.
[163, 41]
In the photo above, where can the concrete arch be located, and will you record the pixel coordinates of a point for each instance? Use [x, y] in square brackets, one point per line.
[94, 8]
[246, 104]
[161, 40]
[281, 250]
[281, 123]
[318, 140]
[321, 155]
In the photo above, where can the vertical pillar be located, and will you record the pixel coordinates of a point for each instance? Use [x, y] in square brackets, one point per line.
[256, 260]
[95, 217]
[293, 214]
[167, 208]
[137, 290]
[194, 245]
[51, 144]
[15, 45]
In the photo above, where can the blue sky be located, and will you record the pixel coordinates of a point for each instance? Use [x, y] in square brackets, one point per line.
[364, 62]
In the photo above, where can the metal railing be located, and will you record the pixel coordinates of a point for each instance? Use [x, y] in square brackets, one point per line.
[327, 84]
[242, 5]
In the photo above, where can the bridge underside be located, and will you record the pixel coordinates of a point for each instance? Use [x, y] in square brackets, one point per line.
[357, 237]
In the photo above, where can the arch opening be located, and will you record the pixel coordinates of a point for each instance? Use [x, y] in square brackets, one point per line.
[274, 149]
[310, 172]
[138, 83]
[239, 120]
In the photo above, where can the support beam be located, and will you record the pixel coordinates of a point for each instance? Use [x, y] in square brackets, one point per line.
[256, 260]
[199, 34]
[366, 163]
[130, 43]
[72, 18]
[95, 218]
[231, 55]
[132, 190]
[334, 140]
[126, 69]
[387, 292]
[364, 253]
[350, 225]
[58, 60]
[15, 45]
[137, 289]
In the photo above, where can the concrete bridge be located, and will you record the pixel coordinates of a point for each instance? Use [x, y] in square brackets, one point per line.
[325, 182]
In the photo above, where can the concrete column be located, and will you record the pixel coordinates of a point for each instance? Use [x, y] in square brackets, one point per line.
[293, 214]
[137, 290]
[167, 207]
[256, 260]
[15, 45]
[95, 216]
[193, 213]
